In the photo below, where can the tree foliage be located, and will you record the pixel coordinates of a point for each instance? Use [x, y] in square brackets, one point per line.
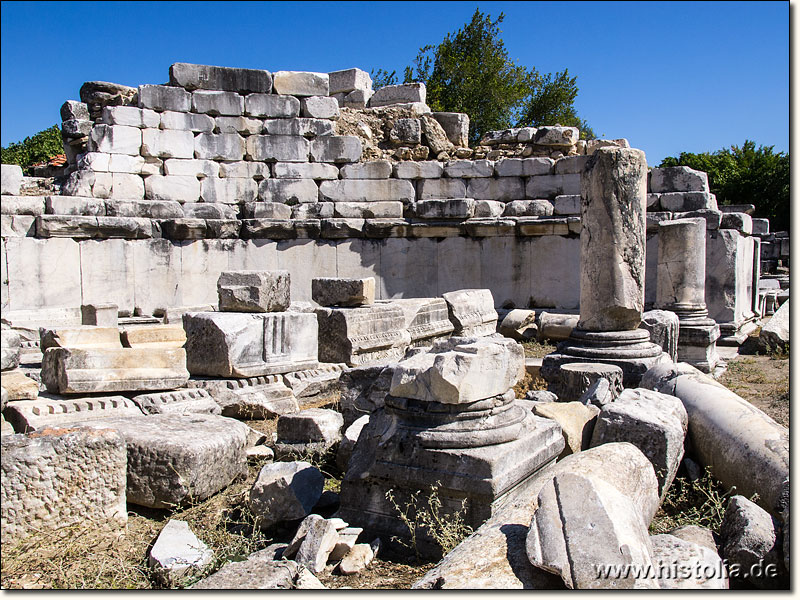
[745, 175]
[34, 149]
[470, 72]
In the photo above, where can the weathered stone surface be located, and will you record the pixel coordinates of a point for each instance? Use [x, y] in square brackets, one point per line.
[87, 370]
[300, 83]
[218, 146]
[177, 553]
[368, 210]
[349, 80]
[427, 319]
[38, 414]
[749, 537]
[259, 572]
[488, 209]
[249, 344]
[172, 187]
[305, 525]
[523, 167]
[455, 125]
[284, 148]
[217, 103]
[441, 188]
[22, 205]
[336, 149]
[179, 458]
[528, 208]
[673, 558]
[178, 401]
[285, 491]
[319, 107]
[115, 139]
[471, 312]
[268, 210]
[310, 383]
[435, 135]
[319, 541]
[469, 168]
[153, 336]
[576, 378]
[253, 291]
[655, 423]
[338, 291]
[18, 386]
[418, 170]
[348, 537]
[310, 425]
[191, 77]
[663, 326]
[288, 191]
[376, 169]
[348, 442]
[60, 478]
[697, 535]
[397, 94]
[366, 190]
[556, 136]
[359, 336]
[600, 393]
[130, 116]
[103, 315]
[363, 390]
[76, 129]
[678, 179]
[775, 334]
[283, 170]
[74, 110]
[191, 168]
[504, 189]
[356, 559]
[162, 97]
[187, 121]
[262, 397]
[10, 348]
[577, 422]
[460, 371]
[583, 522]
[271, 106]
[305, 127]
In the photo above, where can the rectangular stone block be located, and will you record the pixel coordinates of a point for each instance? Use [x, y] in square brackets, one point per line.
[22, 205]
[366, 190]
[107, 272]
[17, 226]
[72, 205]
[87, 370]
[167, 143]
[243, 125]
[337, 291]
[271, 106]
[28, 416]
[341, 228]
[244, 169]
[18, 386]
[550, 186]
[471, 312]
[253, 291]
[217, 103]
[441, 188]
[205, 77]
[209, 210]
[469, 168]
[308, 128]
[162, 97]
[686, 201]
[677, 179]
[157, 275]
[528, 208]
[187, 121]
[78, 227]
[300, 83]
[267, 210]
[126, 186]
[567, 205]
[461, 208]
[55, 261]
[570, 164]
[248, 345]
[319, 107]
[191, 401]
[115, 139]
[130, 116]
[230, 190]
[426, 319]
[361, 336]
[368, 210]
[503, 189]
[191, 167]
[456, 127]
[288, 191]
[418, 170]
[125, 163]
[180, 188]
[348, 80]
[152, 336]
[336, 149]
[288, 170]
[523, 167]
[375, 169]
[284, 148]
[398, 94]
[89, 491]
[219, 146]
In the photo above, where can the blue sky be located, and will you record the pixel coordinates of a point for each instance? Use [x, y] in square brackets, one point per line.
[670, 77]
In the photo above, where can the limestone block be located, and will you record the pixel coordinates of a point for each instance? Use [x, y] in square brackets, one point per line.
[577, 423]
[567, 205]
[10, 348]
[582, 522]
[268, 210]
[458, 208]
[191, 168]
[576, 378]
[348, 80]
[288, 191]
[167, 143]
[435, 135]
[677, 179]
[368, 210]
[366, 190]
[130, 116]
[760, 226]
[271, 106]
[180, 188]
[284, 148]
[75, 129]
[264, 397]
[205, 77]
[101, 314]
[397, 94]
[653, 422]
[686, 201]
[285, 491]
[300, 83]
[187, 121]
[242, 125]
[308, 128]
[17, 226]
[459, 371]
[374, 169]
[284, 170]
[336, 149]
[319, 542]
[29, 415]
[319, 107]
[179, 401]
[357, 559]
[176, 459]
[488, 209]
[81, 227]
[528, 208]
[441, 188]
[739, 221]
[348, 537]
[357, 99]
[663, 326]
[359, 336]
[230, 190]
[550, 186]
[126, 185]
[18, 386]
[774, 335]
[706, 570]
[406, 132]
[348, 443]
[334, 291]
[471, 312]
[556, 136]
[713, 217]
[79, 337]
[87, 370]
[74, 110]
[418, 170]
[570, 164]
[89, 489]
[125, 163]
[162, 98]
[469, 168]
[29, 259]
[253, 291]
[310, 425]
[455, 125]
[244, 169]
[523, 167]
[177, 553]
[156, 336]
[115, 139]
[22, 205]
[250, 344]
[503, 189]
[218, 146]
[258, 572]
[217, 103]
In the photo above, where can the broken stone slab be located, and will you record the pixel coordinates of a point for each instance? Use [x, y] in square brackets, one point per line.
[348, 537]
[600, 393]
[177, 553]
[205, 77]
[583, 522]
[774, 335]
[460, 371]
[456, 127]
[253, 291]
[427, 319]
[655, 423]
[88, 491]
[743, 446]
[528, 208]
[363, 390]
[300, 83]
[348, 442]
[10, 349]
[363, 335]
[178, 401]
[673, 558]
[260, 454]
[285, 491]
[19, 386]
[87, 370]
[556, 327]
[311, 425]
[677, 179]
[300, 535]
[357, 559]
[250, 344]
[177, 459]
[263, 397]
[82, 227]
[576, 378]
[750, 538]
[319, 541]
[663, 326]
[153, 336]
[398, 94]
[435, 135]
[556, 136]
[86, 336]
[471, 312]
[697, 535]
[310, 383]
[259, 572]
[38, 414]
[576, 420]
[339, 291]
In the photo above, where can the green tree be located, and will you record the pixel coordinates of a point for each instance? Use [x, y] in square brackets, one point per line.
[34, 149]
[470, 72]
[745, 175]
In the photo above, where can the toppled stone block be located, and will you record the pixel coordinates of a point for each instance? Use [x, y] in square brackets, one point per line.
[250, 344]
[338, 291]
[18, 386]
[471, 312]
[300, 83]
[264, 397]
[98, 94]
[253, 291]
[89, 489]
[363, 390]
[774, 335]
[577, 423]
[177, 553]
[348, 537]
[357, 559]
[318, 543]
[456, 127]
[663, 326]
[359, 336]
[310, 425]
[178, 401]
[87, 370]
[10, 349]
[285, 491]
[677, 179]
[398, 94]
[39, 414]
[192, 77]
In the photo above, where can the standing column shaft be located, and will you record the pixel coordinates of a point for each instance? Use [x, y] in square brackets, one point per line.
[613, 236]
[681, 278]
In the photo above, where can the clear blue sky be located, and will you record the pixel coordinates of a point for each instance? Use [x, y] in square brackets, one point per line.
[669, 76]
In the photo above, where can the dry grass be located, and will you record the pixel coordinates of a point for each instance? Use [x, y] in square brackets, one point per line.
[534, 349]
[701, 502]
[763, 381]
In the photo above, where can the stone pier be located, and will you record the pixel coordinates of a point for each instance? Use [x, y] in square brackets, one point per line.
[681, 288]
[613, 227]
